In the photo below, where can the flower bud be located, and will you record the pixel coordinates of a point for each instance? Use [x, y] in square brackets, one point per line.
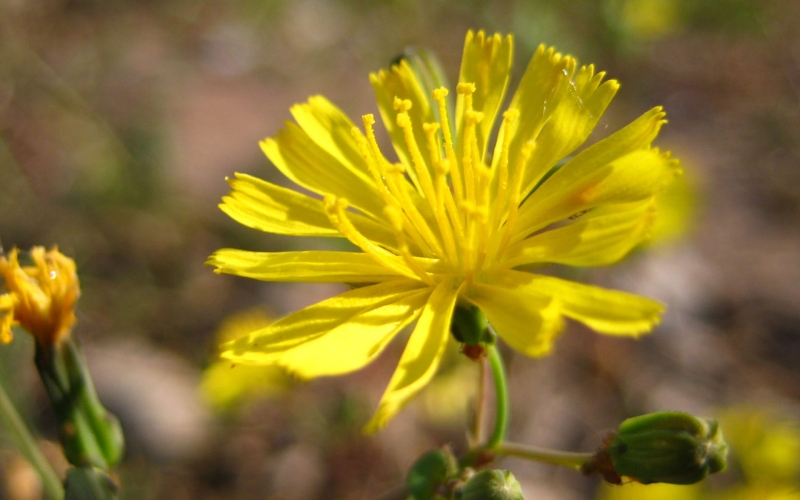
[668, 447]
[430, 472]
[491, 485]
[89, 483]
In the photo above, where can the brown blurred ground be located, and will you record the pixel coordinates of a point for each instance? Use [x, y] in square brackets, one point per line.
[119, 121]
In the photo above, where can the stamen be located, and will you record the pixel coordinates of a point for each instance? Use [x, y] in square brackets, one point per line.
[500, 168]
[440, 191]
[482, 189]
[471, 118]
[336, 210]
[439, 95]
[396, 218]
[444, 194]
[372, 164]
[418, 228]
[423, 174]
[513, 200]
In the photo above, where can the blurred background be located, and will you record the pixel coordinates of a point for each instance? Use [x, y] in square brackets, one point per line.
[119, 121]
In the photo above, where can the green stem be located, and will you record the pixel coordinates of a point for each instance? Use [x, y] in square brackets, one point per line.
[480, 405]
[11, 420]
[556, 457]
[500, 397]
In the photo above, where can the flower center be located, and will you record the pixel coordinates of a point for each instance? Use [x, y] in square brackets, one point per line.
[450, 212]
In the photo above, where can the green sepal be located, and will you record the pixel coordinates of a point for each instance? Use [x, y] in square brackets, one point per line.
[668, 447]
[469, 326]
[430, 473]
[492, 484]
[90, 435]
[89, 483]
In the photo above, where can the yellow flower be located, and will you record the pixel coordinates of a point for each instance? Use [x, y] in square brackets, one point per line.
[41, 298]
[450, 222]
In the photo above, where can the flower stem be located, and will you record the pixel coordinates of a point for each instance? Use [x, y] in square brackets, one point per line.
[556, 457]
[480, 405]
[11, 420]
[500, 397]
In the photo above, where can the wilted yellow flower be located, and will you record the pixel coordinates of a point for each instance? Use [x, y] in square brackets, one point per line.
[40, 298]
[451, 221]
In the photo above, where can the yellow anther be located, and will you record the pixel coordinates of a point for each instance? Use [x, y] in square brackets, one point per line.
[395, 217]
[403, 120]
[440, 93]
[467, 207]
[465, 88]
[430, 127]
[511, 114]
[395, 168]
[527, 149]
[473, 116]
[368, 119]
[442, 167]
[402, 105]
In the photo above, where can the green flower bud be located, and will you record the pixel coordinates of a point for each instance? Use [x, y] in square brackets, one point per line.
[668, 447]
[491, 485]
[430, 472]
[88, 483]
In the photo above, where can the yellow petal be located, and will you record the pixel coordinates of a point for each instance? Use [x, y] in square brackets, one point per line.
[274, 209]
[400, 82]
[314, 266]
[303, 161]
[421, 357]
[267, 207]
[314, 321]
[543, 85]
[601, 237]
[582, 186]
[6, 318]
[354, 344]
[487, 63]
[606, 311]
[572, 121]
[332, 130]
[528, 321]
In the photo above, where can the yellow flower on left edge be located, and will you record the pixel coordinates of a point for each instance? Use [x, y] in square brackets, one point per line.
[453, 221]
[40, 298]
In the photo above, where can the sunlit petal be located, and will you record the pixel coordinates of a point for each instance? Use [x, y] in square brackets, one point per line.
[606, 311]
[314, 321]
[527, 320]
[601, 237]
[422, 355]
[487, 64]
[307, 266]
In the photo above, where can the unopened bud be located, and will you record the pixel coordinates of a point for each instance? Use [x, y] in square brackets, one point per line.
[668, 447]
[430, 473]
[491, 485]
[469, 325]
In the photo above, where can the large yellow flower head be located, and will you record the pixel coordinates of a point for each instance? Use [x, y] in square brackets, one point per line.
[452, 221]
[40, 298]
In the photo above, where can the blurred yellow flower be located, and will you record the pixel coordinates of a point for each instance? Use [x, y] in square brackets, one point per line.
[676, 207]
[658, 491]
[40, 298]
[766, 448]
[451, 221]
[225, 385]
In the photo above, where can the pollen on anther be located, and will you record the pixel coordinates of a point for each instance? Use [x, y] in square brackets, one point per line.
[465, 88]
[402, 105]
[442, 167]
[440, 93]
